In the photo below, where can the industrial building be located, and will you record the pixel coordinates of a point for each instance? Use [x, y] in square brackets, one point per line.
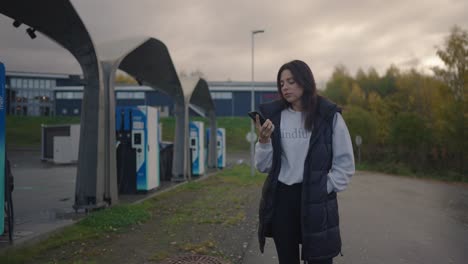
[40, 94]
[32, 94]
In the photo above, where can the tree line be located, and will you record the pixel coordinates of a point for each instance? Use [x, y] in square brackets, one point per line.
[407, 117]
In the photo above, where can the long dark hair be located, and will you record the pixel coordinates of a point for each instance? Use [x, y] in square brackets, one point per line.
[305, 78]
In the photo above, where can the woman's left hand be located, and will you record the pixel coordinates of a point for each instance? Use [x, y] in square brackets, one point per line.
[264, 131]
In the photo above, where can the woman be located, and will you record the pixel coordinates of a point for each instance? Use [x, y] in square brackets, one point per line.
[305, 147]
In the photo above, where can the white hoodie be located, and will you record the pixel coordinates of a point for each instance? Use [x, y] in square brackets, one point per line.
[295, 143]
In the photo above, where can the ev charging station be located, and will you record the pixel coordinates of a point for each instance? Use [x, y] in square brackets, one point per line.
[137, 148]
[2, 147]
[220, 146]
[197, 147]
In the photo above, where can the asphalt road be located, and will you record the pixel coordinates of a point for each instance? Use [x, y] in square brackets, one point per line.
[395, 220]
[43, 195]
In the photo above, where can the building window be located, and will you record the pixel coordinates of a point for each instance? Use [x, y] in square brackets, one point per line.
[123, 95]
[76, 111]
[14, 83]
[221, 95]
[44, 110]
[21, 96]
[130, 95]
[43, 98]
[78, 95]
[139, 95]
[69, 95]
[64, 111]
[63, 95]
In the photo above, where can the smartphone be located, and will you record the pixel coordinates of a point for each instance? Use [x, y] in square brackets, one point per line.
[253, 115]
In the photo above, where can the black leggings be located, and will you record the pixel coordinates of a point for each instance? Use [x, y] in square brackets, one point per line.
[287, 224]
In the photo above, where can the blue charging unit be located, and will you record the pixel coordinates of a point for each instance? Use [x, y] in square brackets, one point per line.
[220, 146]
[138, 127]
[197, 147]
[2, 147]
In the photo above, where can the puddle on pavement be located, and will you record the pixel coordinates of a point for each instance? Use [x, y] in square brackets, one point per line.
[22, 233]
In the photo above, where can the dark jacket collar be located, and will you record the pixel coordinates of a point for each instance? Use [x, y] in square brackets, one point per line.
[326, 109]
[272, 108]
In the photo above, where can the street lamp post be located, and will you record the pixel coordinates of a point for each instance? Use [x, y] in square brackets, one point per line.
[252, 106]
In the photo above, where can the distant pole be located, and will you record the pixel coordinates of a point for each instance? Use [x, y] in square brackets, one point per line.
[359, 155]
[358, 141]
[252, 106]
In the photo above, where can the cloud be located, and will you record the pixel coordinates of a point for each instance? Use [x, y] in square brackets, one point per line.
[214, 36]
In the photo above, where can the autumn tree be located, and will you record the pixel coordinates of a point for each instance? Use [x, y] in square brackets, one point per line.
[123, 78]
[195, 73]
[380, 111]
[409, 117]
[368, 82]
[356, 96]
[454, 54]
[338, 87]
[388, 82]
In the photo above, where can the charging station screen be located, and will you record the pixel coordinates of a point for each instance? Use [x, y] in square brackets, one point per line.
[137, 139]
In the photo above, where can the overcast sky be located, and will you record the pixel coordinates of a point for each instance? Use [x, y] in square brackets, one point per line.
[214, 36]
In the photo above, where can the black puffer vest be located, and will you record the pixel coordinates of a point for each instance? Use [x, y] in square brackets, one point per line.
[320, 222]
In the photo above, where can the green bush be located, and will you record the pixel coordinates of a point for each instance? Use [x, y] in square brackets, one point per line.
[361, 122]
[410, 138]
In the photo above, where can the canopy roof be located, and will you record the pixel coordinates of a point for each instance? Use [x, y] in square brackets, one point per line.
[150, 63]
[58, 20]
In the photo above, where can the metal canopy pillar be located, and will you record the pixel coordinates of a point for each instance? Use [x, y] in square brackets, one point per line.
[110, 173]
[181, 144]
[179, 156]
[201, 97]
[212, 155]
[58, 20]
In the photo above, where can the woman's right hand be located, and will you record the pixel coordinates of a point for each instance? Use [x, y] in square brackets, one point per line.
[264, 132]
